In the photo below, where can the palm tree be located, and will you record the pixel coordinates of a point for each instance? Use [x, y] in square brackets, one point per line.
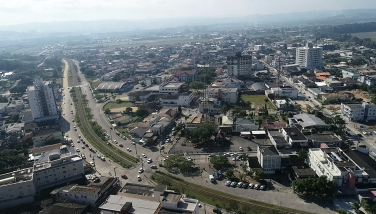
[356, 206]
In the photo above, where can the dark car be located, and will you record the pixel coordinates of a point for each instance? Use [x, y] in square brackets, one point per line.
[249, 148]
[217, 210]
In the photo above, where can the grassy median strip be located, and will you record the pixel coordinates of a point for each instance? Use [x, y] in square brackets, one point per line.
[220, 199]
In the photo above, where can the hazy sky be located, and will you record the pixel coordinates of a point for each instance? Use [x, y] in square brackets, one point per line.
[23, 11]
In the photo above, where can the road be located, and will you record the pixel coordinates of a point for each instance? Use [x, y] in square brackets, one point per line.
[98, 116]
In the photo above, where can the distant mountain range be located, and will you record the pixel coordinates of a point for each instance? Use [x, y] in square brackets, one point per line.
[95, 26]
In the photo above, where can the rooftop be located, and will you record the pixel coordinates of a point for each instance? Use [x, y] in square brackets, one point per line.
[363, 161]
[39, 150]
[84, 190]
[46, 132]
[188, 72]
[294, 133]
[139, 206]
[63, 208]
[173, 85]
[138, 189]
[308, 120]
[171, 197]
[323, 137]
[268, 150]
[110, 85]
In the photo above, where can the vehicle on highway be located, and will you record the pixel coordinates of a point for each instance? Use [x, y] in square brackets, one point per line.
[149, 160]
[124, 177]
[228, 183]
[138, 177]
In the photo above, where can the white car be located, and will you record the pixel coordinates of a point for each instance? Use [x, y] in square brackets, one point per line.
[128, 149]
[241, 148]
[143, 155]
[228, 183]
[141, 170]
[103, 159]
[79, 136]
[77, 150]
[115, 141]
[72, 144]
[133, 143]
[149, 160]
[74, 126]
[92, 163]
[189, 159]
[138, 177]
[83, 156]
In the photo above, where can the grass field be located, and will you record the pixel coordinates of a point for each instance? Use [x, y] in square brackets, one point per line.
[257, 101]
[112, 105]
[371, 35]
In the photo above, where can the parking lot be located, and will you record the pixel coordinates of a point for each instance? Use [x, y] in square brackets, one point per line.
[232, 145]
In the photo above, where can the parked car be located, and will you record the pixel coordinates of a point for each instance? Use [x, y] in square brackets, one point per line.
[240, 148]
[250, 185]
[143, 155]
[256, 186]
[153, 166]
[149, 160]
[124, 177]
[228, 183]
[121, 145]
[262, 187]
[138, 177]
[233, 184]
[240, 184]
[141, 170]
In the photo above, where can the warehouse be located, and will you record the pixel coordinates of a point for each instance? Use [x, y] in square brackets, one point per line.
[114, 86]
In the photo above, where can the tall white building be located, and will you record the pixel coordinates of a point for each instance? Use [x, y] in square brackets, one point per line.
[239, 65]
[42, 101]
[228, 95]
[309, 56]
[359, 112]
[269, 159]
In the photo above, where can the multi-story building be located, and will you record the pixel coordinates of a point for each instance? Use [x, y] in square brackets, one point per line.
[16, 188]
[239, 65]
[186, 75]
[285, 91]
[183, 99]
[42, 101]
[170, 88]
[42, 137]
[339, 166]
[228, 95]
[209, 106]
[294, 137]
[309, 56]
[269, 159]
[359, 112]
[227, 83]
[56, 167]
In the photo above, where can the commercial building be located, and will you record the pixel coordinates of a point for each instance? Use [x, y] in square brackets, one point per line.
[186, 75]
[350, 74]
[42, 101]
[193, 121]
[114, 86]
[42, 137]
[209, 106]
[228, 95]
[306, 121]
[269, 159]
[183, 99]
[286, 91]
[309, 56]
[239, 65]
[359, 112]
[340, 167]
[227, 83]
[170, 88]
[16, 188]
[294, 137]
[56, 167]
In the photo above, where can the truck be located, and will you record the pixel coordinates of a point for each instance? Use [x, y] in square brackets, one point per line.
[211, 178]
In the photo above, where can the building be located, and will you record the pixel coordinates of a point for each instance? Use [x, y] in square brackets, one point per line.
[42, 101]
[170, 88]
[117, 204]
[269, 159]
[359, 112]
[258, 47]
[294, 137]
[350, 74]
[239, 65]
[62, 208]
[183, 99]
[186, 75]
[15, 106]
[286, 91]
[42, 137]
[88, 195]
[193, 121]
[278, 139]
[114, 86]
[228, 95]
[324, 140]
[338, 167]
[227, 83]
[56, 167]
[306, 121]
[242, 124]
[16, 188]
[309, 56]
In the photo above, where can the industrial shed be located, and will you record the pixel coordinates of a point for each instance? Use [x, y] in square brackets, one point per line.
[113, 86]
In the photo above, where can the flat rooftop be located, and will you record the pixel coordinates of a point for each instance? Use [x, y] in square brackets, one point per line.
[174, 85]
[138, 189]
[364, 161]
[171, 197]
[268, 150]
[323, 137]
[294, 133]
[139, 206]
[110, 85]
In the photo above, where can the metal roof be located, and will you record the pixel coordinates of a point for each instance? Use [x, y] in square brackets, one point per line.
[116, 202]
[110, 85]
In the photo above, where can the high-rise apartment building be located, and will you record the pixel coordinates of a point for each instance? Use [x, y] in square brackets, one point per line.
[42, 101]
[309, 56]
[239, 65]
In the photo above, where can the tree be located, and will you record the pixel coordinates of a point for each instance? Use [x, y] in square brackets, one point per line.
[142, 112]
[202, 133]
[128, 110]
[313, 187]
[220, 162]
[197, 85]
[118, 101]
[258, 174]
[107, 111]
[342, 211]
[303, 155]
[356, 206]
[179, 163]
[229, 173]
[3, 99]
[225, 108]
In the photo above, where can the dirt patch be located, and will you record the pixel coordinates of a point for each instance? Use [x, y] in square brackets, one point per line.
[334, 108]
[119, 110]
[361, 94]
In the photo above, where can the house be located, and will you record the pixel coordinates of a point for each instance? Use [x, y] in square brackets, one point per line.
[170, 88]
[330, 140]
[242, 124]
[16, 129]
[294, 137]
[359, 112]
[316, 92]
[258, 86]
[322, 75]
[306, 121]
[269, 159]
[273, 125]
[186, 75]
[227, 83]
[193, 121]
[278, 139]
[333, 82]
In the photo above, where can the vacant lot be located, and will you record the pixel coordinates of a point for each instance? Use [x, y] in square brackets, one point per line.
[361, 94]
[113, 105]
[257, 101]
[371, 35]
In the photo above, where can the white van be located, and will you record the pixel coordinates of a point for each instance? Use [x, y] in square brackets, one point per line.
[211, 178]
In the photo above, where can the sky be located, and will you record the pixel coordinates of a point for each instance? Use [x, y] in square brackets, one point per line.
[25, 11]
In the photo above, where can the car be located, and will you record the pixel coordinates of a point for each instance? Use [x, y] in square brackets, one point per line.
[72, 120]
[124, 177]
[233, 184]
[141, 170]
[128, 149]
[87, 145]
[143, 155]
[365, 133]
[162, 147]
[240, 148]
[77, 150]
[66, 135]
[153, 166]
[256, 186]
[115, 141]
[75, 129]
[138, 177]
[228, 183]
[78, 140]
[249, 148]
[121, 145]
[210, 155]
[217, 210]
[245, 185]
[262, 187]
[83, 156]
[250, 185]
[133, 143]
[199, 205]
[189, 159]
[83, 146]
[99, 155]
[74, 126]
[227, 154]
[103, 159]
[374, 132]
[72, 144]
[240, 184]
[149, 160]
[79, 136]
[92, 163]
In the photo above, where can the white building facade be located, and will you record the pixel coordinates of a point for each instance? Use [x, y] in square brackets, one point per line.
[359, 112]
[309, 56]
[42, 100]
[228, 95]
[269, 159]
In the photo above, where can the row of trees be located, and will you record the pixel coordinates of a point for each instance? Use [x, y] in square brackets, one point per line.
[313, 187]
[202, 133]
[179, 163]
